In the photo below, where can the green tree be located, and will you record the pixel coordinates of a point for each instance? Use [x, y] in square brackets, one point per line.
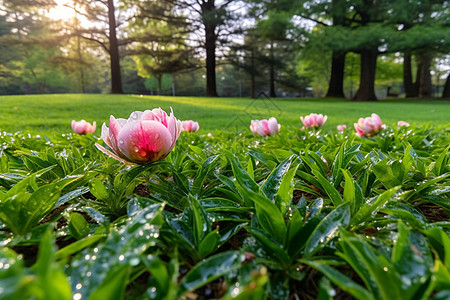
[159, 46]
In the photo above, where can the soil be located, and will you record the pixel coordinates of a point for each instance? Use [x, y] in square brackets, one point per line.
[434, 213]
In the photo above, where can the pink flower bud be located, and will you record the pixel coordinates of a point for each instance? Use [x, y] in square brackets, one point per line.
[83, 127]
[368, 126]
[265, 127]
[341, 127]
[190, 126]
[402, 123]
[142, 138]
[313, 120]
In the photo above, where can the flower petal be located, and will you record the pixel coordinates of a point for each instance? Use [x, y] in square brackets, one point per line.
[144, 142]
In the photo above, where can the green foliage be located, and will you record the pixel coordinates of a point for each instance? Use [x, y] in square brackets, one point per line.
[229, 216]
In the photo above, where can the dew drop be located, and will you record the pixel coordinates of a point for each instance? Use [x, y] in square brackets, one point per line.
[121, 142]
[78, 286]
[385, 269]
[77, 296]
[136, 149]
[121, 257]
[143, 153]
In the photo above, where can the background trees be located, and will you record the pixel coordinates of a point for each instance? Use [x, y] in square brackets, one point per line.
[359, 49]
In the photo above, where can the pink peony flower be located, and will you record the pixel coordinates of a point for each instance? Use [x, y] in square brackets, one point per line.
[265, 127]
[341, 127]
[368, 126]
[190, 126]
[313, 120]
[142, 138]
[402, 123]
[83, 127]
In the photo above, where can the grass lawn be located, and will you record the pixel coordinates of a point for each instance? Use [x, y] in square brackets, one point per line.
[45, 114]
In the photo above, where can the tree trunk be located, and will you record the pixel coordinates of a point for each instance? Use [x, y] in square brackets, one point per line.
[81, 67]
[366, 90]
[272, 92]
[208, 8]
[425, 76]
[159, 78]
[408, 84]
[116, 81]
[446, 91]
[336, 86]
[252, 76]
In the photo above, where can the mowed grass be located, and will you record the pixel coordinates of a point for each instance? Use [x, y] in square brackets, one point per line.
[49, 114]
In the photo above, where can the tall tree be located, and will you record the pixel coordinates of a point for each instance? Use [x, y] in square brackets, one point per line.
[210, 23]
[103, 30]
[159, 36]
[328, 14]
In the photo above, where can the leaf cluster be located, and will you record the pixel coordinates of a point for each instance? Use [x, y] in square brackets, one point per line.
[228, 216]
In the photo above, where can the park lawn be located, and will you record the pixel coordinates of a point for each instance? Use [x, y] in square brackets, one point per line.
[48, 114]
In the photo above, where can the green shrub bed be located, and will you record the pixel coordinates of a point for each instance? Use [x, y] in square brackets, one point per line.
[299, 215]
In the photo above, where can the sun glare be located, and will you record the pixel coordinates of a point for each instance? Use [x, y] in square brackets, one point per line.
[62, 11]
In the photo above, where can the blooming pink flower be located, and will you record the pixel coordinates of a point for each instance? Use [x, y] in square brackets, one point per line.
[313, 120]
[190, 126]
[341, 127]
[402, 123]
[265, 127]
[142, 138]
[83, 127]
[368, 126]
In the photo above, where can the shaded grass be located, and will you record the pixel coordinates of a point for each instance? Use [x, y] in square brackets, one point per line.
[45, 114]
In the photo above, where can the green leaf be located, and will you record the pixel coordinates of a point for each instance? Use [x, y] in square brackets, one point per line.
[342, 159]
[97, 216]
[352, 192]
[412, 261]
[78, 246]
[14, 283]
[78, 226]
[272, 184]
[373, 268]
[250, 170]
[210, 269]
[121, 250]
[98, 189]
[207, 165]
[200, 222]
[440, 241]
[272, 247]
[331, 191]
[163, 281]
[113, 286]
[372, 207]
[390, 173]
[242, 177]
[327, 229]
[294, 225]
[23, 211]
[209, 243]
[70, 195]
[342, 281]
[269, 217]
[51, 281]
[440, 164]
